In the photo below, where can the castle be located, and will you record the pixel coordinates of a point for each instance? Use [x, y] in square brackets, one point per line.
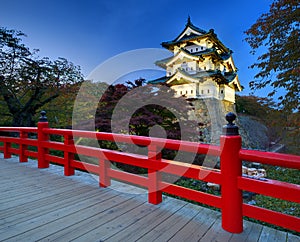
[201, 66]
[202, 71]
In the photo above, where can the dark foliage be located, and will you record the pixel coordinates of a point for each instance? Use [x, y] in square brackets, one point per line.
[276, 36]
[28, 82]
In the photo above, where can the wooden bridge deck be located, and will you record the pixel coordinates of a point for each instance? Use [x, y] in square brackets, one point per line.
[43, 205]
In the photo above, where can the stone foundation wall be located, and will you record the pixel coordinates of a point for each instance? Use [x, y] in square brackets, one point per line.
[210, 115]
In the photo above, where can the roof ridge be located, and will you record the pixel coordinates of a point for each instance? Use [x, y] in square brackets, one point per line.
[194, 27]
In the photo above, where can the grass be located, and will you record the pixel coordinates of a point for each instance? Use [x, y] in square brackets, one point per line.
[286, 207]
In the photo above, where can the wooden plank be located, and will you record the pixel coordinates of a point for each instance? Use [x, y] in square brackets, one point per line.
[100, 212]
[165, 230]
[81, 229]
[197, 227]
[40, 225]
[272, 235]
[28, 170]
[13, 193]
[150, 221]
[216, 233]
[119, 224]
[251, 232]
[292, 238]
[23, 177]
[35, 200]
[18, 190]
[37, 181]
[30, 212]
[23, 208]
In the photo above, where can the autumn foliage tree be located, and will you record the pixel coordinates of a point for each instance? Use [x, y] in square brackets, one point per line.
[275, 36]
[153, 107]
[28, 82]
[144, 110]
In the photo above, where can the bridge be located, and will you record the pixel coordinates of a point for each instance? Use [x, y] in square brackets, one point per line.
[43, 204]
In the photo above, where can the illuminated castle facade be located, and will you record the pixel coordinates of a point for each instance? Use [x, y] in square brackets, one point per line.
[201, 66]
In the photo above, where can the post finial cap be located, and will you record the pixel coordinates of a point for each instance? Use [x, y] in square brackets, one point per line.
[230, 129]
[43, 117]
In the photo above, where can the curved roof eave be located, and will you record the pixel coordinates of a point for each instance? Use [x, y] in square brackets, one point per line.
[193, 27]
[183, 74]
[236, 83]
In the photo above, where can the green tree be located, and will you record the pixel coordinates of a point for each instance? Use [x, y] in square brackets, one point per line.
[276, 35]
[28, 82]
[60, 110]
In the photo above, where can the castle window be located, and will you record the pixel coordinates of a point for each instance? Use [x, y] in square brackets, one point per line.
[186, 92]
[208, 91]
[196, 49]
[222, 91]
[202, 92]
[180, 92]
[191, 50]
[191, 91]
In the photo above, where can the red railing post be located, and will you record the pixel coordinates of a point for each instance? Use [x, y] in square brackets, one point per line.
[43, 123]
[231, 169]
[6, 147]
[23, 147]
[104, 166]
[154, 176]
[68, 169]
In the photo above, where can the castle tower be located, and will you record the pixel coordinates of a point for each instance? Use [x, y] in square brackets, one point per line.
[201, 66]
[201, 69]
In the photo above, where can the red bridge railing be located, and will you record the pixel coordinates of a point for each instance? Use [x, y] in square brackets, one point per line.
[229, 176]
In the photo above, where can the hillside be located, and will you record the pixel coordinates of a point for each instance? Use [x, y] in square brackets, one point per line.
[254, 133]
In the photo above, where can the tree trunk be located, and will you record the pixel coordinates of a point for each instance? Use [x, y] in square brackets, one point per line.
[23, 119]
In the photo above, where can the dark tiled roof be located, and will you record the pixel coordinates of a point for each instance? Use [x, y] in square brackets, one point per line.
[223, 56]
[162, 63]
[183, 39]
[197, 29]
[158, 80]
[193, 36]
[222, 77]
[189, 37]
[216, 74]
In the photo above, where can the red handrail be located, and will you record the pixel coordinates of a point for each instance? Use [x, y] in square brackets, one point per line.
[229, 177]
[270, 158]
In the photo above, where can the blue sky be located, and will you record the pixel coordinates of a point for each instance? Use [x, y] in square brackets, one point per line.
[91, 31]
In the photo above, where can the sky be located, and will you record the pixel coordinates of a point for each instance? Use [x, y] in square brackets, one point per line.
[89, 32]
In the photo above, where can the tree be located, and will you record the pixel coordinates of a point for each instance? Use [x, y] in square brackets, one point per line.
[144, 110]
[259, 107]
[282, 127]
[60, 109]
[147, 107]
[28, 82]
[276, 35]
